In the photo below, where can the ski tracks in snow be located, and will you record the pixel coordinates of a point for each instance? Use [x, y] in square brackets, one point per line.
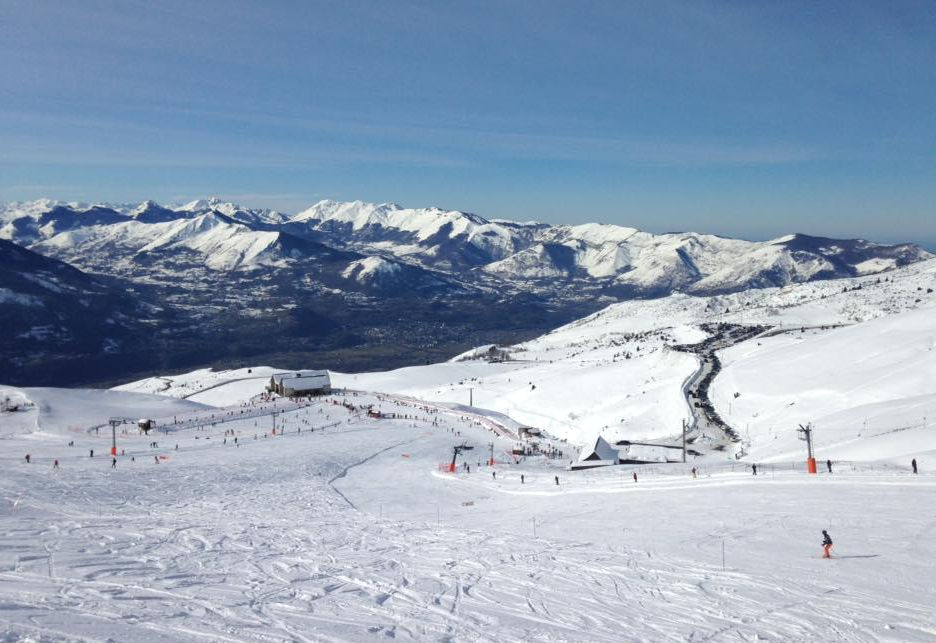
[256, 544]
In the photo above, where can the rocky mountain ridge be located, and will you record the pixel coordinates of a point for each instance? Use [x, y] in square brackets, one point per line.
[345, 278]
[454, 246]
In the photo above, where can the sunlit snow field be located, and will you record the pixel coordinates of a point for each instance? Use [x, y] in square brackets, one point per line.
[352, 532]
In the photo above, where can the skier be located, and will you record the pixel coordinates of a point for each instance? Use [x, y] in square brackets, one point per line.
[114, 463]
[913, 464]
[557, 481]
[635, 476]
[156, 458]
[828, 464]
[693, 473]
[826, 544]
[494, 474]
[55, 464]
[754, 469]
[521, 478]
[27, 458]
[92, 453]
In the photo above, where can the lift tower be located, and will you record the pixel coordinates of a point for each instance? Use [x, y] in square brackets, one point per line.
[458, 448]
[806, 434]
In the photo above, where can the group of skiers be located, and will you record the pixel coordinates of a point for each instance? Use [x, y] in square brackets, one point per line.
[754, 468]
[913, 467]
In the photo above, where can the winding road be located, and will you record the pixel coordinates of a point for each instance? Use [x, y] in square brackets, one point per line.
[706, 423]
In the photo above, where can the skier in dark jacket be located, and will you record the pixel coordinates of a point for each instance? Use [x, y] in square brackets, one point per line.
[826, 544]
[914, 465]
[754, 469]
[828, 463]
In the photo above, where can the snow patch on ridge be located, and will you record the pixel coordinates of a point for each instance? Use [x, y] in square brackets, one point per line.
[369, 267]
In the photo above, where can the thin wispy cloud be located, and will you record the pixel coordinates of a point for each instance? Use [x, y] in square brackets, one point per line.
[706, 114]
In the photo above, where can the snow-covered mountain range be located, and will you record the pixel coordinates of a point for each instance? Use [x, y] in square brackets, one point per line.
[617, 259]
[349, 275]
[455, 245]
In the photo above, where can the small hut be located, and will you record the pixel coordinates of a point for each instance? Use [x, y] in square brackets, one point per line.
[601, 454]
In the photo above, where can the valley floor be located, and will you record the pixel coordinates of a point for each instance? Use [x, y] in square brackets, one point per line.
[352, 532]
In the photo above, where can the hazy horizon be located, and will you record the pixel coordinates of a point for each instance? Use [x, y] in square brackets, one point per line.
[744, 120]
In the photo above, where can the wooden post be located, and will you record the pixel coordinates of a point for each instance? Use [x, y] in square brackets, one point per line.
[684, 425]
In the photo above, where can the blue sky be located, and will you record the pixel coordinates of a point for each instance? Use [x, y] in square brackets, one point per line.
[747, 119]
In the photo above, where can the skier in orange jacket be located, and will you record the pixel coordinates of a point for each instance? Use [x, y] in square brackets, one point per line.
[826, 544]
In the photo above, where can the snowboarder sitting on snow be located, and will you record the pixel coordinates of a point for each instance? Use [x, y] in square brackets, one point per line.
[826, 544]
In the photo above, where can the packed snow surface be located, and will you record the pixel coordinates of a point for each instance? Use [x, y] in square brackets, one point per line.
[854, 384]
[350, 532]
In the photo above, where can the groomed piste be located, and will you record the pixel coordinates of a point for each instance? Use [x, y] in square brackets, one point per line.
[350, 531]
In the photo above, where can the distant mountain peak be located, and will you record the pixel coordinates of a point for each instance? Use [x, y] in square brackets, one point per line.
[210, 203]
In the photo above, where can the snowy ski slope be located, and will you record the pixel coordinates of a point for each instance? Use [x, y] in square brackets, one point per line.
[868, 389]
[351, 533]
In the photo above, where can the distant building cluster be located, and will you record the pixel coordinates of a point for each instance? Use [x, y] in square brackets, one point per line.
[300, 383]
